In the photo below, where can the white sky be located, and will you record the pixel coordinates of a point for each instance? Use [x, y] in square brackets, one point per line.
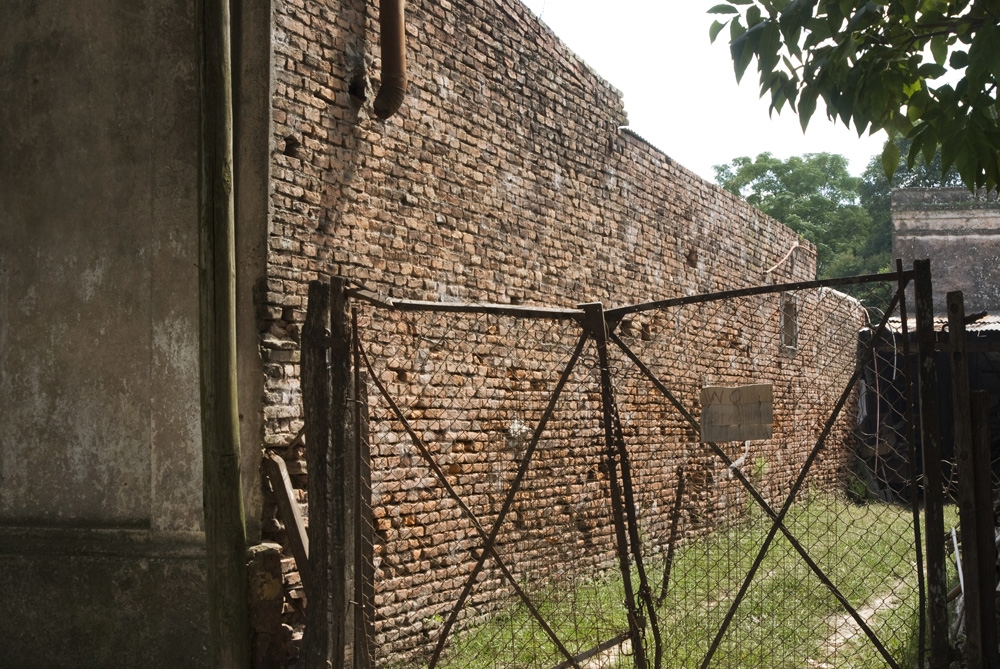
[679, 88]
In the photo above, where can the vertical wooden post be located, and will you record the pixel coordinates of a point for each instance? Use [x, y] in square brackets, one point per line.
[987, 553]
[962, 418]
[912, 452]
[930, 439]
[316, 643]
[341, 556]
[225, 525]
[326, 392]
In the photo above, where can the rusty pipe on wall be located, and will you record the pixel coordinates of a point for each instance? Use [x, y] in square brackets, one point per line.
[392, 31]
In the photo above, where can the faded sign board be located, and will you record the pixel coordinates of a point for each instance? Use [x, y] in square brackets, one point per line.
[737, 414]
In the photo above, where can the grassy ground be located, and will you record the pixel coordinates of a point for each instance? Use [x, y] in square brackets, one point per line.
[788, 619]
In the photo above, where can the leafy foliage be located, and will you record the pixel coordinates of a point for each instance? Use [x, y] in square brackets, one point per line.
[848, 218]
[815, 196]
[924, 70]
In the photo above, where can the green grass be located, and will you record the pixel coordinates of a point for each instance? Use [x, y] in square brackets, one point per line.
[787, 619]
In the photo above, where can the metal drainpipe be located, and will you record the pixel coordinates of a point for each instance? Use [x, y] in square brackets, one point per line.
[392, 30]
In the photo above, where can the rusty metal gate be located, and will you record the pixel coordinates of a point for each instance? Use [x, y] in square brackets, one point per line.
[541, 496]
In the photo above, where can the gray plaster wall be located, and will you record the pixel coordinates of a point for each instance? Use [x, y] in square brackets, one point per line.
[100, 453]
[960, 233]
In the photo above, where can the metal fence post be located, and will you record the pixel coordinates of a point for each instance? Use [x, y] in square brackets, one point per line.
[987, 554]
[363, 596]
[975, 506]
[595, 324]
[930, 440]
[341, 541]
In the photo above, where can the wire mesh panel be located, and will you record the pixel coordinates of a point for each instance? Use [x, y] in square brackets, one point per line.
[515, 526]
[707, 542]
[472, 390]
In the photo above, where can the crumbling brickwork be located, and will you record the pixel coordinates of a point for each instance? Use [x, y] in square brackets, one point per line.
[507, 177]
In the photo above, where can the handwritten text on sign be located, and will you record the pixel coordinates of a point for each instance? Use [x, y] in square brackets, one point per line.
[737, 414]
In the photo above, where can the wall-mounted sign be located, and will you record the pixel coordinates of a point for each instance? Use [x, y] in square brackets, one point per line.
[737, 414]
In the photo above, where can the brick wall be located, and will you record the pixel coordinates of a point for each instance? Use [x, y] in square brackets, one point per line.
[960, 233]
[505, 177]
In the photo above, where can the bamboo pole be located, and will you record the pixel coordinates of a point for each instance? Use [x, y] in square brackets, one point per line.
[225, 526]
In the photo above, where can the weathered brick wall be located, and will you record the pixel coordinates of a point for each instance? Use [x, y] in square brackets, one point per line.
[960, 233]
[505, 178]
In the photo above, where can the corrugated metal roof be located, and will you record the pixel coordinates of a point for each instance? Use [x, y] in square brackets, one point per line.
[988, 323]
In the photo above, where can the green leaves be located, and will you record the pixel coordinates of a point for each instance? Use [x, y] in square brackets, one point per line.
[939, 48]
[716, 28]
[876, 66]
[890, 158]
[813, 194]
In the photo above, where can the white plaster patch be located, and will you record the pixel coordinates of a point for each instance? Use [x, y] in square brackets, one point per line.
[175, 345]
[26, 305]
[92, 278]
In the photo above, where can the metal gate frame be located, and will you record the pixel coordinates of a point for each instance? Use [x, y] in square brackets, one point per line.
[599, 325]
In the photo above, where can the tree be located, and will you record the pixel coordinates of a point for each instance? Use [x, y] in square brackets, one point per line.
[847, 218]
[924, 70]
[815, 196]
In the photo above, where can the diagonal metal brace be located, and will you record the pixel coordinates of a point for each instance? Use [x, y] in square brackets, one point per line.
[488, 540]
[777, 519]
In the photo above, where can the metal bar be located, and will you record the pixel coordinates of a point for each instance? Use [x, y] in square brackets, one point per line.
[930, 439]
[597, 327]
[596, 650]
[986, 556]
[525, 311]
[509, 500]
[315, 373]
[371, 297]
[517, 310]
[645, 592]
[970, 346]
[338, 471]
[488, 544]
[675, 517]
[617, 313]
[962, 419]
[911, 439]
[364, 567]
[824, 579]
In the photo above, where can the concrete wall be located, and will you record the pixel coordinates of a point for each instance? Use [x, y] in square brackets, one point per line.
[960, 233]
[100, 452]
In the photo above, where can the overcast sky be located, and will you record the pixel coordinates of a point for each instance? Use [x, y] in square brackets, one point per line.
[679, 88]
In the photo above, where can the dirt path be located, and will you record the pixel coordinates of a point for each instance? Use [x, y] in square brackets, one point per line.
[846, 628]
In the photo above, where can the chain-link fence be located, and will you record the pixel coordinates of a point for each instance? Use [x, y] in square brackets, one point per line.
[542, 497]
